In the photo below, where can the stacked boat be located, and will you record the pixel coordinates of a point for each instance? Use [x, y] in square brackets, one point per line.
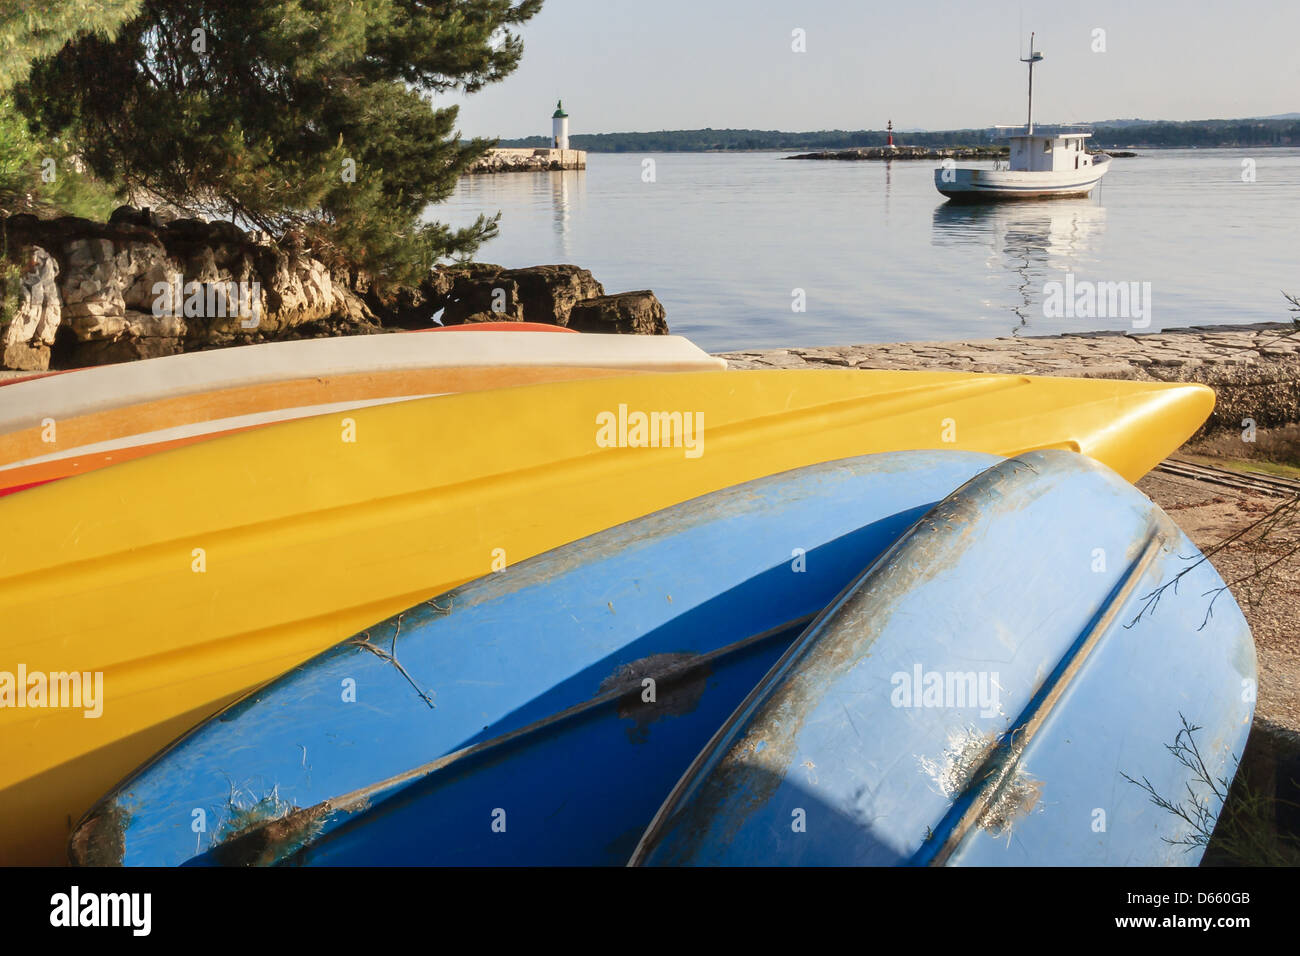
[522, 598]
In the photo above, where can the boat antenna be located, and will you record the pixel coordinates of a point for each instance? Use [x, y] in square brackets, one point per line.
[1031, 60]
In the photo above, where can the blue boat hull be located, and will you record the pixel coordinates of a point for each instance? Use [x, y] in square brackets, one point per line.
[1017, 681]
[577, 790]
[510, 721]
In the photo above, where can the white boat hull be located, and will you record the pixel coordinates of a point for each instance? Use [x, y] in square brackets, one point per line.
[91, 390]
[994, 185]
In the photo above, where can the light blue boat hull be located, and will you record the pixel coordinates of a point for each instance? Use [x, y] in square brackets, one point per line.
[1002, 687]
[506, 721]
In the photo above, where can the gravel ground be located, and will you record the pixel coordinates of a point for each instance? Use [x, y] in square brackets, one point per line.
[1209, 514]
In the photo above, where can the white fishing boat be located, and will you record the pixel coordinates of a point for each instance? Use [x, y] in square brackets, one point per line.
[1041, 166]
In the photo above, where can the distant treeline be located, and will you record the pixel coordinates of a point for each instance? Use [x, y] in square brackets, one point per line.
[1201, 133]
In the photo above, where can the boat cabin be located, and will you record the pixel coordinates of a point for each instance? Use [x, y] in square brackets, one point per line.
[1054, 152]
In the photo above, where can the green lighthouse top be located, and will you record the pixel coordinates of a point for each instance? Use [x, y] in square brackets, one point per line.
[559, 111]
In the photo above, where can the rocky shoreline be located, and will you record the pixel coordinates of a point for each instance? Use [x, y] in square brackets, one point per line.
[76, 293]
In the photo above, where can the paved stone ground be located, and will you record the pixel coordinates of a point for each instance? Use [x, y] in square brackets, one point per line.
[1254, 369]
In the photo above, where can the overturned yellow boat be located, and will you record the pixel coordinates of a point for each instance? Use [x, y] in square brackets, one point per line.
[191, 576]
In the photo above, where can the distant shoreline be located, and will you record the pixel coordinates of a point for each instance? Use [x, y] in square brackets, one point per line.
[1118, 134]
[962, 151]
[1112, 150]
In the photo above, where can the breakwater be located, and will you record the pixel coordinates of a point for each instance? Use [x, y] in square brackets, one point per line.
[528, 161]
[910, 152]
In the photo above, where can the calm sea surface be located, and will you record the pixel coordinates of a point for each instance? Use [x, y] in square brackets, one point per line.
[725, 240]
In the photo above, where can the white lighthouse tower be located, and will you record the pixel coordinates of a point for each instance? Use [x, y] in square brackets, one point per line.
[559, 127]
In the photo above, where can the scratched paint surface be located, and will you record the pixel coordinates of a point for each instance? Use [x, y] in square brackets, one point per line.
[522, 691]
[826, 763]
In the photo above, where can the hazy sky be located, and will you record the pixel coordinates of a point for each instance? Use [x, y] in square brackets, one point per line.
[625, 65]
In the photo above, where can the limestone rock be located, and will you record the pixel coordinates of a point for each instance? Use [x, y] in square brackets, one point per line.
[31, 332]
[143, 285]
[481, 288]
[92, 289]
[549, 293]
[544, 294]
[636, 313]
[219, 285]
[146, 268]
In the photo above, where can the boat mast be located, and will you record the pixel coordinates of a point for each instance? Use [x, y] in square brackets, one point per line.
[1032, 59]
